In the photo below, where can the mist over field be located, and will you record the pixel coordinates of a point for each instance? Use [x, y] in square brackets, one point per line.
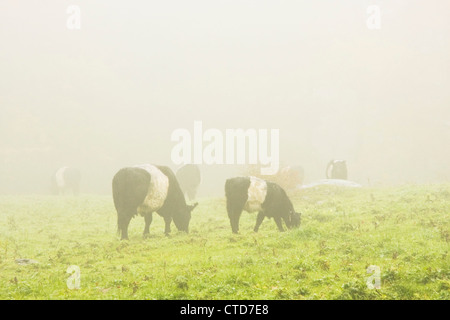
[111, 93]
[273, 90]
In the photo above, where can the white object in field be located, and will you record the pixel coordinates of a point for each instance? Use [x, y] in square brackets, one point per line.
[257, 192]
[73, 282]
[332, 182]
[157, 191]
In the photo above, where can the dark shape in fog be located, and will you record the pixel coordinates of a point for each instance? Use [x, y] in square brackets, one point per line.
[189, 178]
[338, 170]
[66, 179]
[145, 189]
[254, 194]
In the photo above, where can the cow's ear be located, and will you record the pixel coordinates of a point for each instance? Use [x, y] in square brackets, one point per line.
[191, 207]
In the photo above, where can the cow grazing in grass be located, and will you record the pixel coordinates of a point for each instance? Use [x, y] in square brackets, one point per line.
[145, 189]
[189, 178]
[66, 180]
[253, 194]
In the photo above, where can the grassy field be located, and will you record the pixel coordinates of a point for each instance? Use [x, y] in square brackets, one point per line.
[405, 231]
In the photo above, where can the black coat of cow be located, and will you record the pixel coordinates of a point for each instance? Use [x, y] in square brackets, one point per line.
[189, 178]
[131, 187]
[66, 179]
[275, 204]
[338, 170]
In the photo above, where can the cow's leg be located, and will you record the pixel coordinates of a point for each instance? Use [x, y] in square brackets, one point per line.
[234, 216]
[123, 221]
[234, 209]
[168, 221]
[148, 217]
[259, 220]
[279, 223]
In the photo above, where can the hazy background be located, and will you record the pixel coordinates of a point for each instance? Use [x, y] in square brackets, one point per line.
[110, 94]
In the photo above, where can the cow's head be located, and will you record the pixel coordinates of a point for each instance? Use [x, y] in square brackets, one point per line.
[294, 219]
[182, 220]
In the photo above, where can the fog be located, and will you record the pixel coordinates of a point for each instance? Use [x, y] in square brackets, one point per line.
[111, 93]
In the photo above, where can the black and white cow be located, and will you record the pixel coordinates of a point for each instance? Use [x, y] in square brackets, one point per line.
[254, 194]
[145, 189]
[338, 169]
[189, 178]
[66, 179]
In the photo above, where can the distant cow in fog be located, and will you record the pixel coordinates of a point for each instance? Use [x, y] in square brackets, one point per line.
[189, 178]
[338, 170]
[254, 194]
[66, 179]
[145, 189]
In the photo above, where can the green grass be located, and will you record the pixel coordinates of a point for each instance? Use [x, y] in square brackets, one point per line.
[403, 230]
